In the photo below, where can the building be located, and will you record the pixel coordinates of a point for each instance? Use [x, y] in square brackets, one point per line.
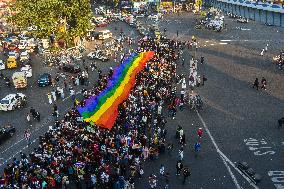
[267, 13]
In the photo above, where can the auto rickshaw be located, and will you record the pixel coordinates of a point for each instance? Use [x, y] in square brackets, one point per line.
[11, 63]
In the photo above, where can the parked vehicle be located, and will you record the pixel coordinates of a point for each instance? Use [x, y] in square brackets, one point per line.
[11, 63]
[98, 55]
[24, 56]
[13, 101]
[6, 132]
[13, 54]
[242, 20]
[44, 80]
[2, 65]
[105, 34]
[71, 68]
[20, 80]
[27, 69]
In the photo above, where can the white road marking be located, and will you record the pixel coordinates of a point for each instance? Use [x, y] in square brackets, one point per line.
[225, 159]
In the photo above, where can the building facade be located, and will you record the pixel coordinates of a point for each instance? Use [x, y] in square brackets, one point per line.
[267, 13]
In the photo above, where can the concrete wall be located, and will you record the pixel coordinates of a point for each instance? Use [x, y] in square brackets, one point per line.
[263, 16]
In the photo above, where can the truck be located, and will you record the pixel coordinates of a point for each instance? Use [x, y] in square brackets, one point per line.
[20, 80]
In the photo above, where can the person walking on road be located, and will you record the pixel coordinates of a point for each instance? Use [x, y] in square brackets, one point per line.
[186, 173]
[263, 83]
[180, 153]
[167, 178]
[49, 98]
[255, 83]
[27, 136]
[162, 170]
[197, 147]
[179, 167]
[153, 181]
[177, 33]
[199, 132]
[28, 117]
[262, 52]
[55, 111]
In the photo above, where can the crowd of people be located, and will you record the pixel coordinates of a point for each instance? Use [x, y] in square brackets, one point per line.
[75, 152]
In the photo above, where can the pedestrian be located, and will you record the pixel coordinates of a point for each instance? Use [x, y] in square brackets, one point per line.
[255, 83]
[162, 170]
[197, 147]
[49, 98]
[177, 33]
[203, 79]
[266, 48]
[186, 173]
[262, 52]
[202, 60]
[28, 117]
[199, 132]
[180, 153]
[179, 167]
[170, 148]
[55, 111]
[27, 136]
[37, 116]
[263, 83]
[167, 178]
[72, 93]
[153, 181]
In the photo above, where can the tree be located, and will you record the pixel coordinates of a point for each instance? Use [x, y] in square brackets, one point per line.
[66, 19]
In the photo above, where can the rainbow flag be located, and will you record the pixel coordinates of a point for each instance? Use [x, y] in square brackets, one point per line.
[102, 109]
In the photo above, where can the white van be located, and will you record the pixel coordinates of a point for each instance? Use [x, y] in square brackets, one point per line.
[105, 34]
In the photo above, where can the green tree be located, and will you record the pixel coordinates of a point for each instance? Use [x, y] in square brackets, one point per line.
[66, 19]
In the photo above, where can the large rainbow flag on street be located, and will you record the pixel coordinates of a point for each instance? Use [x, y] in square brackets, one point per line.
[102, 109]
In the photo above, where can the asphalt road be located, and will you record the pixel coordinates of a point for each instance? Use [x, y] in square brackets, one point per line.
[240, 123]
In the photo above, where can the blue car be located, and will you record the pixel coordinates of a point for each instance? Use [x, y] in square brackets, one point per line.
[44, 80]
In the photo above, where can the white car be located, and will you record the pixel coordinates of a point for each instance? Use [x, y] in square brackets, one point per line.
[13, 54]
[24, 56]
[13, 101]
[92, 55]
[140, 15]
[28, 70]
[2, 65]
[100, 55]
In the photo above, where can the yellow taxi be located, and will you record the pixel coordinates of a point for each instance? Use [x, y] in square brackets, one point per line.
[11, 63]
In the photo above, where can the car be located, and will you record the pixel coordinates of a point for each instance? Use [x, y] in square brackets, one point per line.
[92, 55]
[13, 101]
[71, 68]
[98, 55]
[2, 65]
[44, 80]
[13, 54]
[140, 16]
[242, 20]
[101, 24]
[6, 132]
[24, 56]
[28, 70]
[101, 56]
